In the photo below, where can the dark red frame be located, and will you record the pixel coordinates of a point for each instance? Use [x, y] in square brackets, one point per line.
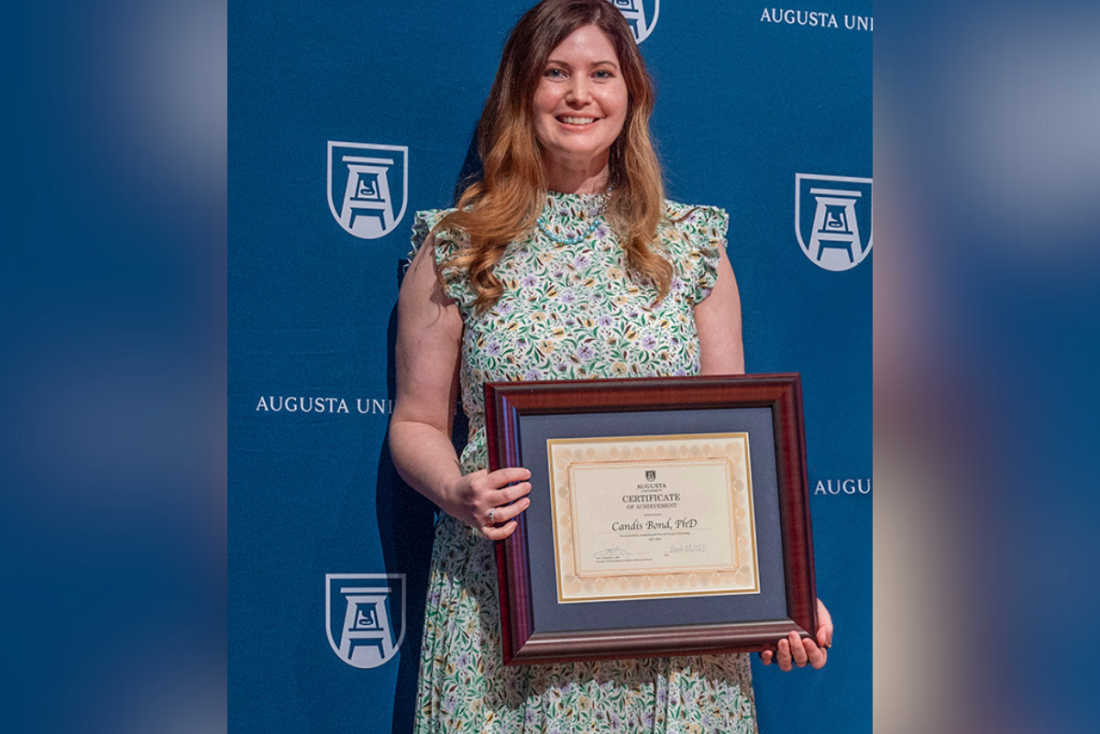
[505, 405]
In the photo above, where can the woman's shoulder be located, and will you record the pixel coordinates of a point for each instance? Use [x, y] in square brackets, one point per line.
[700, 224]
[693, 236]
[447, 242]
[695, 215]
[425, 221]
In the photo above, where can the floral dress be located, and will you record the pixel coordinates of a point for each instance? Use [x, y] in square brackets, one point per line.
[569, 311]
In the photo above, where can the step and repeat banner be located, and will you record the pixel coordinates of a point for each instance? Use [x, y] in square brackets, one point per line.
[347, 117]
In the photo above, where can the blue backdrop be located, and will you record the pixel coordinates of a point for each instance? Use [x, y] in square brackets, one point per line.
[765, 111]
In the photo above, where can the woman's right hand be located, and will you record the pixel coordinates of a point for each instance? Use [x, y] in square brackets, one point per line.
[489, 501]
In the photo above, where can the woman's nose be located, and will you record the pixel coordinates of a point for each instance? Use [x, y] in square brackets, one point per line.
[579, 92]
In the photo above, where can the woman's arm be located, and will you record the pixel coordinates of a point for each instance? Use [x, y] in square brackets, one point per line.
[429, 333]
[718, 321]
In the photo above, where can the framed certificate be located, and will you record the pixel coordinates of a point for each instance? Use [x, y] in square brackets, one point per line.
[669, 516]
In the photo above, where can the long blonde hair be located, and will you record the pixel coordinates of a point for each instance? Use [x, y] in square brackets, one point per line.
[506, 202]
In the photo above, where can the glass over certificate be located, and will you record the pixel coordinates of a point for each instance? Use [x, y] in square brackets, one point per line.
[653, 516]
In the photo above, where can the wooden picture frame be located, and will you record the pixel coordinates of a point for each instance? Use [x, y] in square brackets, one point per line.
[523, 419]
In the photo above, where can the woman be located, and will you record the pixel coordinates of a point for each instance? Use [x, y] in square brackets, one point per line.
[563, 262]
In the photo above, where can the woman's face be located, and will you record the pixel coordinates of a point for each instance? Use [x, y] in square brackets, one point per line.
[581, 101]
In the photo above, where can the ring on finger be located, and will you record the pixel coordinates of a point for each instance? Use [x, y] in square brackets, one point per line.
[492, 511]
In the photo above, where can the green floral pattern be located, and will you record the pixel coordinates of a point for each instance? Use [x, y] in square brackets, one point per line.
[569, 311]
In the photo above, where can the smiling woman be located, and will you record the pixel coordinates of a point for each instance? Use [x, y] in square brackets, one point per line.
[563, 262]
[517, 175]
[580, 107]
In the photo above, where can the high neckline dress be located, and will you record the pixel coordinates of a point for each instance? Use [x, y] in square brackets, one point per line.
[569, 311]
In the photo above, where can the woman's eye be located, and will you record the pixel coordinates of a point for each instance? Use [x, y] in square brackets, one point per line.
[554, 73]
[603, 74]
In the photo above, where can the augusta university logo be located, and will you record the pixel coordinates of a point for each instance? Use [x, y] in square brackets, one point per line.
[832, 219]
[641, 14]
[367, 187]
[360, 612]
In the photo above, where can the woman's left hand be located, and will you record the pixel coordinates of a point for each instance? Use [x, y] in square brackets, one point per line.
[793, 651]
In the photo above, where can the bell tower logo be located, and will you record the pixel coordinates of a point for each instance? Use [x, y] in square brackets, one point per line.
[368, 186]
[641, 14]
[365, 616]
[832, 219]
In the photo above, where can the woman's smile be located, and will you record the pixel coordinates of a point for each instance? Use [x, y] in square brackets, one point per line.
[576, 121]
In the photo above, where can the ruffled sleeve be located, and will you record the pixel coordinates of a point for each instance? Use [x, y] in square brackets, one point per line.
[699, 231]
[713, 224]
[447, 242]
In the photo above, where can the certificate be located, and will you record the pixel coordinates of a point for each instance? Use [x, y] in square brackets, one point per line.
[650, 516]
[667, 516]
